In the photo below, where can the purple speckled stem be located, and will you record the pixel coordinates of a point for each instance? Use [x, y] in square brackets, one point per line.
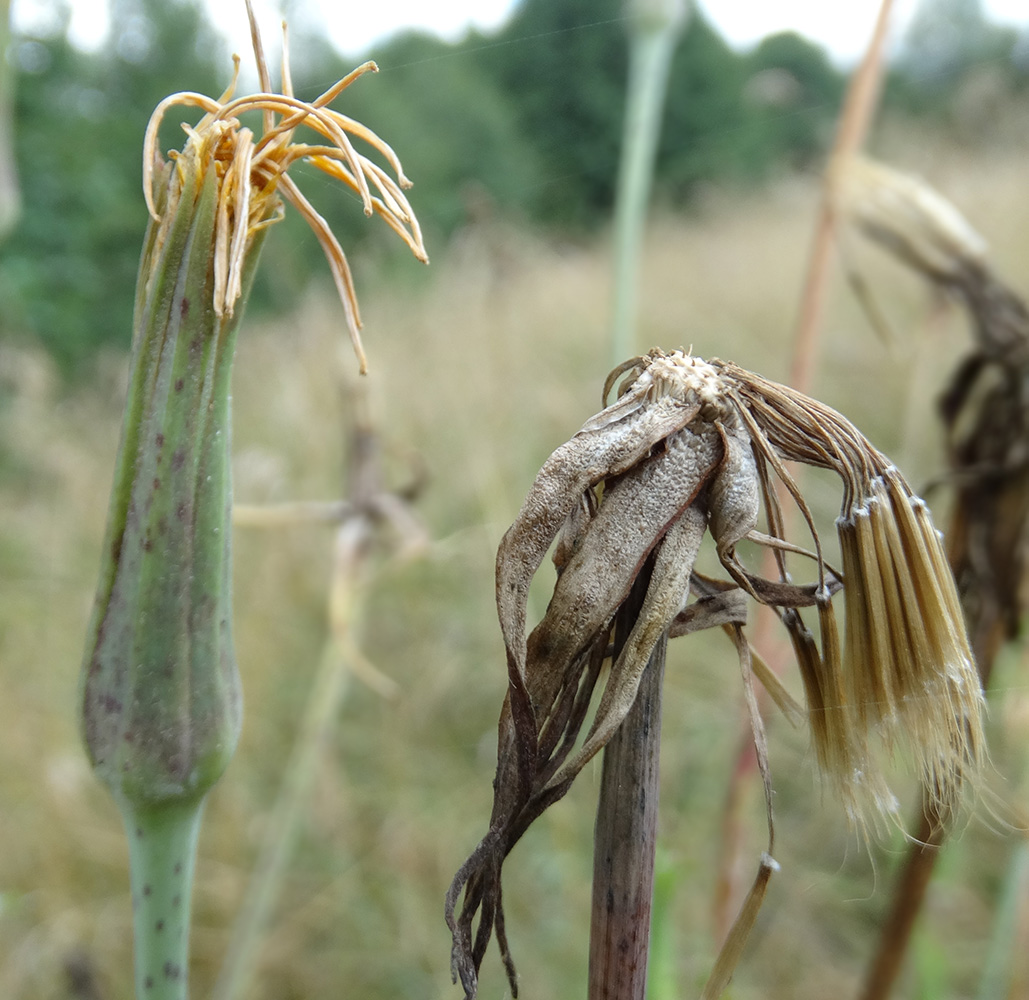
[162, 849]
[625, 837]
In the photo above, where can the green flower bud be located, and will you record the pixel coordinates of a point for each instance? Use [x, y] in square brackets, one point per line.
[161, 700]
[160, 693]
[161, 696]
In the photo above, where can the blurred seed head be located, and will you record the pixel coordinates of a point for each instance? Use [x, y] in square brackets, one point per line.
[911, 219]
[925, 231]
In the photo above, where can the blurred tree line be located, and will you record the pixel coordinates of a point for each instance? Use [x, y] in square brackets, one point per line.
[523, 123]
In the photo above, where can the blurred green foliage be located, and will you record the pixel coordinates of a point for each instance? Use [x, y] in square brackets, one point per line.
[68, 269]
[524, 123]
[563, 67]
[947, 45]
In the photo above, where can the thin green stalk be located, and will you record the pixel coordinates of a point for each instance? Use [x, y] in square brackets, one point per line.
[10, 199]
[656, 25]
[1011, 911]
[162, 848]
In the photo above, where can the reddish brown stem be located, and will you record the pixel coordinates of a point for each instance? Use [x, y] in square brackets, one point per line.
[858, 110]
[624, 842]
[908, 895]
[914, 877]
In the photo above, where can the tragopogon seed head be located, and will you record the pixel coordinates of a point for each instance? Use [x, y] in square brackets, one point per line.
[904, 668]
[908, 217]
[692, 446]
[905, 673]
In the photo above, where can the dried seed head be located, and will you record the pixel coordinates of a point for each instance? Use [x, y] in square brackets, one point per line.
[910, 671]
[690, 446]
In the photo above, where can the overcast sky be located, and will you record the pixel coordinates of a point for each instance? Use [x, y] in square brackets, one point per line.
[842, 26]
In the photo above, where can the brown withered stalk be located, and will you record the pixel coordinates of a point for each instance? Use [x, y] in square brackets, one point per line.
[985, 413]
[625, 835]
[689, 447]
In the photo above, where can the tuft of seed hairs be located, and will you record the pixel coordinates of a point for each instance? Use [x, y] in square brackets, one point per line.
[904, 672]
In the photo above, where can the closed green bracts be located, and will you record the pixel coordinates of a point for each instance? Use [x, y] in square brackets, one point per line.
[161, 698]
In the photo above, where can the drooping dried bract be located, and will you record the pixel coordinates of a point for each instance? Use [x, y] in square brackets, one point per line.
[688, 447]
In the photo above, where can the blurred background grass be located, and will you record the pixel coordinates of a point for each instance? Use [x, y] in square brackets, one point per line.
[480, 368]
[481, 373]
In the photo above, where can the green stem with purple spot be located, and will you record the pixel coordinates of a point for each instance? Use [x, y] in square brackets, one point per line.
[162, 849]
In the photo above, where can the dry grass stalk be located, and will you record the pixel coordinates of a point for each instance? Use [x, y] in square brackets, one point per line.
[985, 412]
[690, 446]
[369, 512]
[855, 118]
